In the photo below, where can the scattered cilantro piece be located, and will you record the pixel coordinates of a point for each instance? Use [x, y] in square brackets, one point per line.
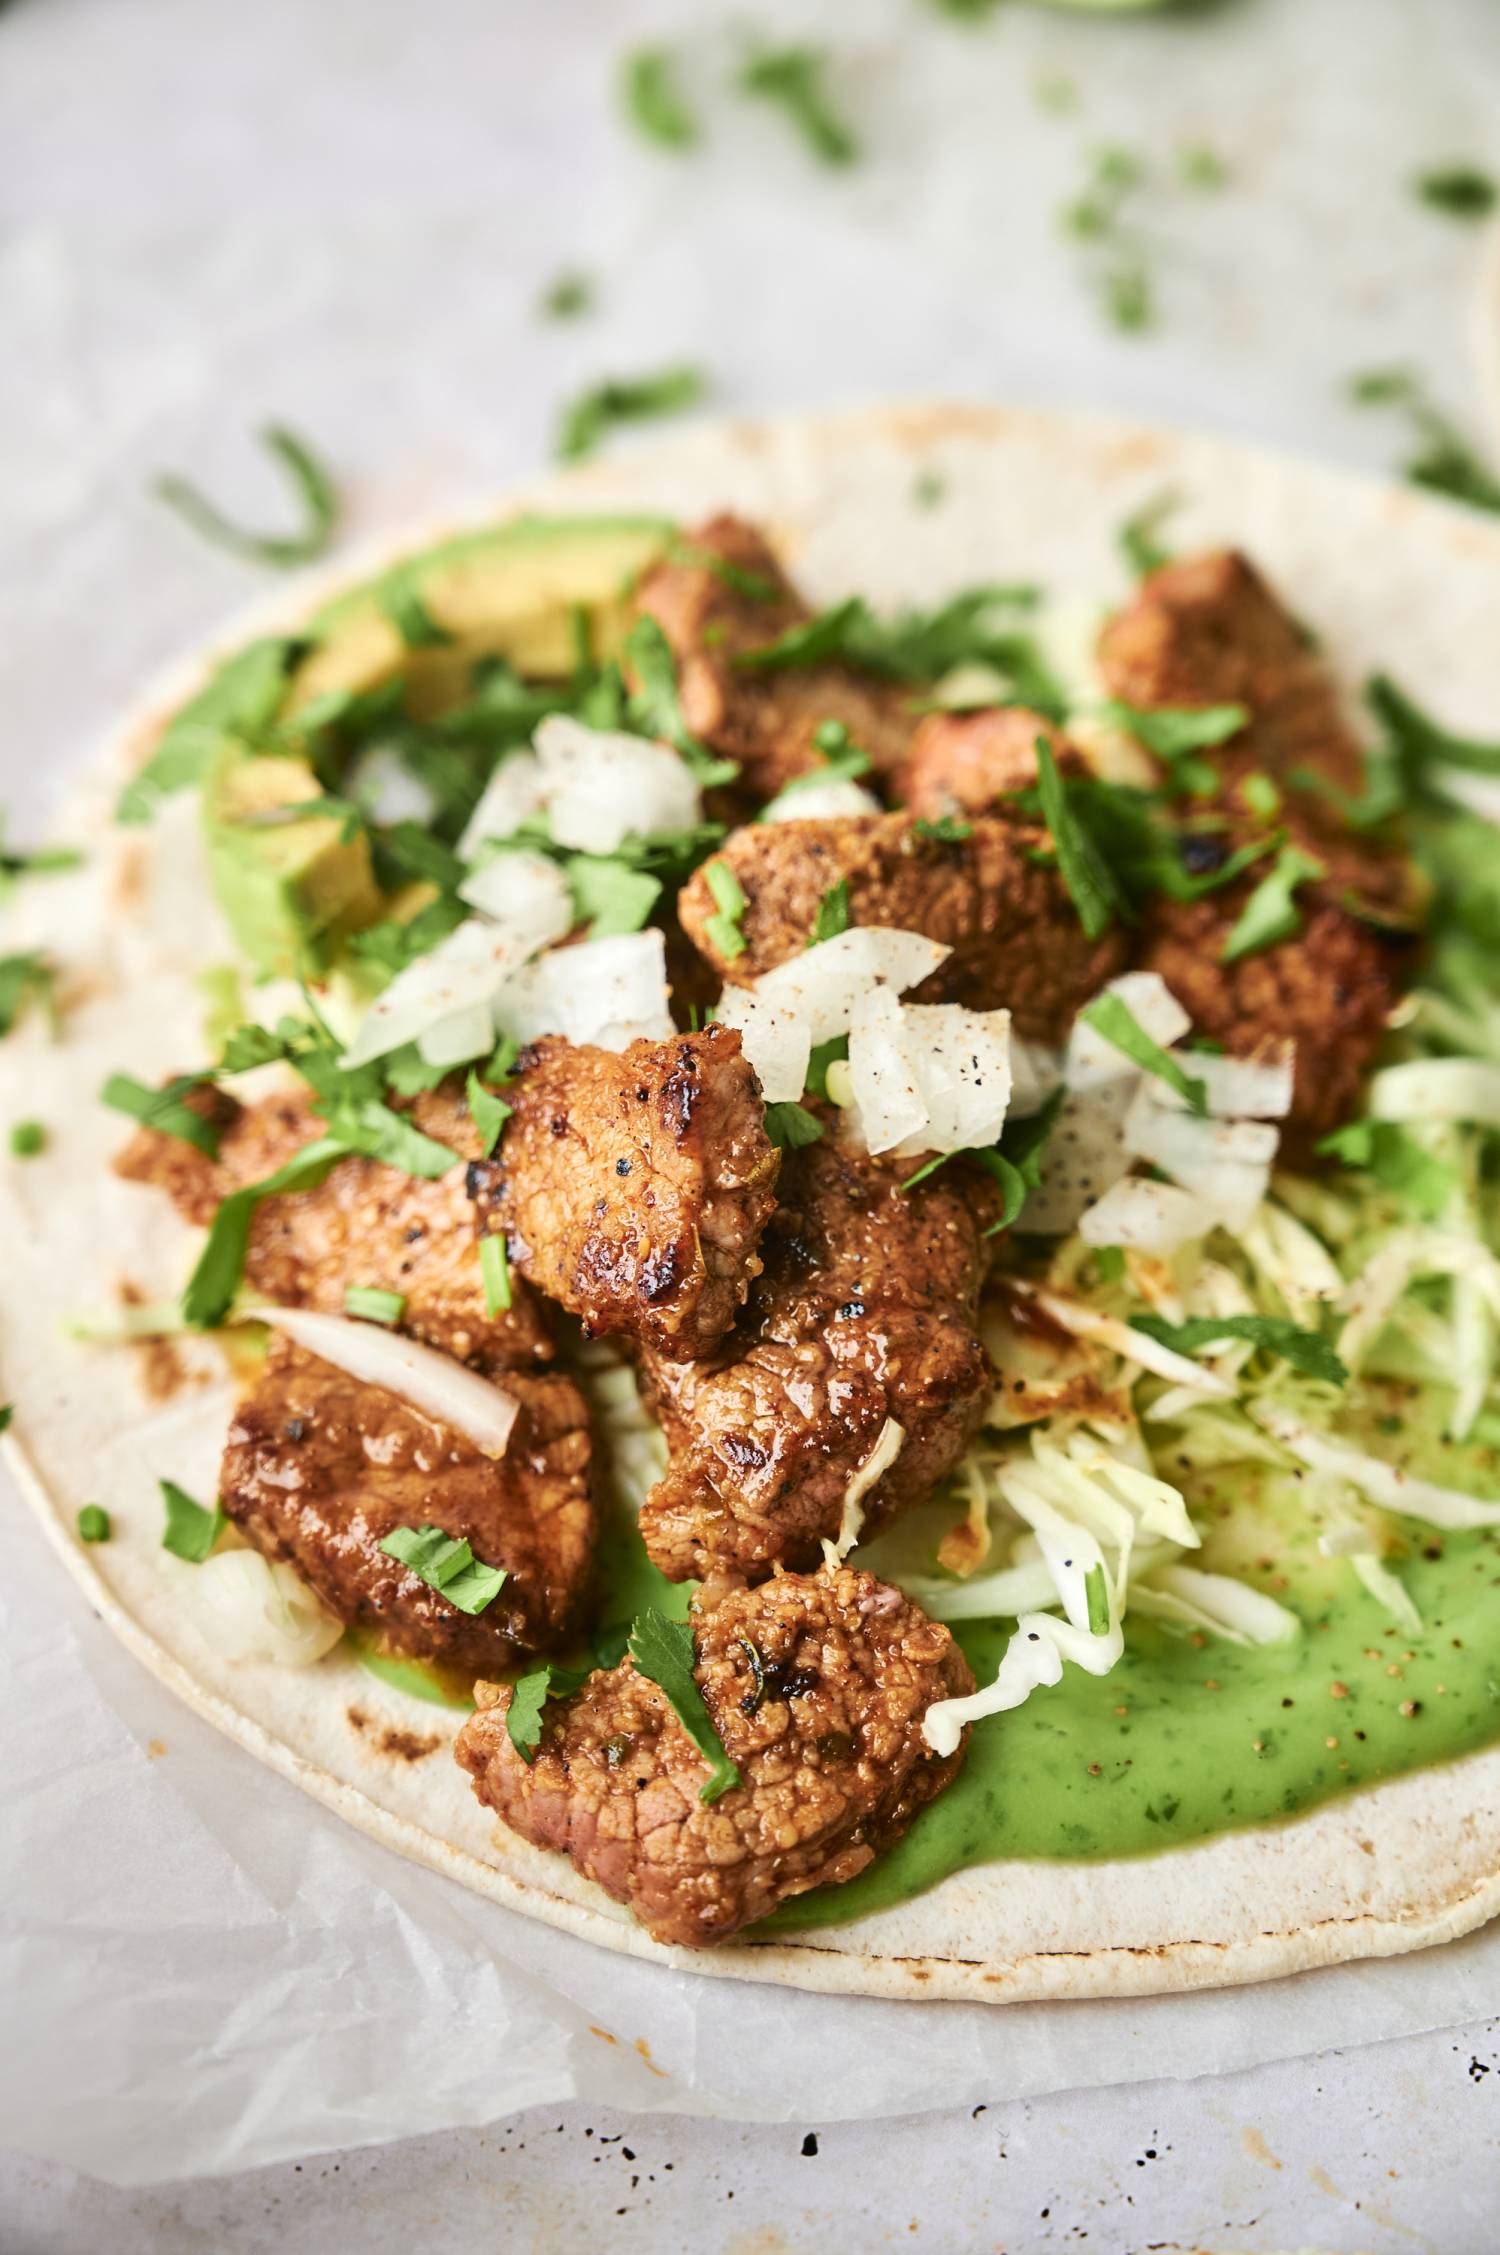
[1137, 537]
[1262, 796]
[1271, 913]
[1414, 1176]
[1174, 731]
[26, 979]
[1091, 886]
[44, 861]
[722, 931]
[1463, 191]
[1200, 166]
[494, 1270]
[609, 895]
[793, 78]
[1127, 295]
[93, 1523]
[653, 100]
[240, 700]
[947, 830]
[655, 708]
[191, 1530]
[409, 615]
[921, 645]
[1096, 1597]
[812, 642]
[163, 1109]
[488, 1111]
[588, 419]
[1305, 1350]
[1444, 462]
[754, 586]
[446, 1564]
[928, 488]
[566, 297]
[1117, 269]
[28, 1139]
[374, 1304]
[824, 1054]
[1015, 1162]
[221, 1264]
[1109, 1263]
[833, 914]
[7, 1412]
[312, 484]
[1112, 1017]
[791, 1126]
[1423, 741]
[529, 1695]
[844, 761]
[663, 1651]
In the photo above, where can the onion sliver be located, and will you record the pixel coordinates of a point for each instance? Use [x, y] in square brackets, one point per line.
[251, 1608]
[609, 992]
[599, 785]
[776, 1045]
[837, 800]
[434, 1383]
[822, 985]
[1148, 1217]
[1384, 1484]
[512, 793]
[1437, 1088]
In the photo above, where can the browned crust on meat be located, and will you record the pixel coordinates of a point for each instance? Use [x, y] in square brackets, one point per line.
[366, 1224]
[765, 721]
[970, 762]
[866, 1310]
[319, 1469]
[817, 1686]
[1016, 939]
[633, 1188]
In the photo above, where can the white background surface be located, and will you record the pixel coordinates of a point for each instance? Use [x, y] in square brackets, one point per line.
[342, 215]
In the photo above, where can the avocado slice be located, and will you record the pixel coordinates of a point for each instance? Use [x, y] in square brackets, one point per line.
[290, 887]
[509, 591]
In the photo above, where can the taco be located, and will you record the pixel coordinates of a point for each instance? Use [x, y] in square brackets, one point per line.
[803, 1272]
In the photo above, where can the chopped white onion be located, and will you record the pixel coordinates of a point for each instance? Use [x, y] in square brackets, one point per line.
[434, 1383]
[453, 1041]
[883, 1076]
[600, 786]
[928, 1076]
[386, 789]
[1148, 1217]
[1035, 1071]
[776, 1045]
[1384, 1484]
[822, 984]
[512, 793]
[463, 971]
[1155, 1010]
[1237, 1087]
[840, 799]
[1216, 1602]
[1437, 1088]
[608, 992]
[251, 1608]
[522, 892]
[1083, 1156]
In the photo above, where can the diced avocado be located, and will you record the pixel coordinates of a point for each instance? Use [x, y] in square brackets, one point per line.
[509, 591]
[290, 887]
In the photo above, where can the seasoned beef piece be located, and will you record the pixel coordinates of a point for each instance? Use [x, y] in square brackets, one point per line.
[365, 1224]
[865, 1311]
[633, 1188]
[1209, 631]
[765, 720]
[318, 1469]
[1015, 935]
[970, 762]
[817, 1685]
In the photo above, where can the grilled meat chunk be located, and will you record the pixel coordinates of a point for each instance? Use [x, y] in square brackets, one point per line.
[971, 762]
[365, 1224]
[1015, 935]
[817, 1685]
[865, 1310]
[319, 1469]
[633, 1188]
[1209, 631]
[722, 595]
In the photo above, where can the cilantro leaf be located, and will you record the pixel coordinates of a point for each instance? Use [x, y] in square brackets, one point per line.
[1087, 875]
[588, 419]
[163, 1109]
[1444, 461]
[1271, 913]
[311, 483]
[488, 1111]
[655, 708]
[609, 895]
[793, 78]
[1142, 551]
[663, 1651]
[26, 978]
[1112, 1017]
[653, 100]
[221, 1264]
[791, 1126]
[409, 615]
[1462, 191]
[529, 1695]
[1305, 1350]
[191, 1530]
[833, 914]
[447, 1564]
[1173, 731]
[1414, 1176]
[722, 931]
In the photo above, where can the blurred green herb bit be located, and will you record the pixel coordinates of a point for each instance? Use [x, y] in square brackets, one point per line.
[567, 297]
[311, 482]
[1444, 462]
[1463, 191]
[588, 419]
[1098, 217]
[653, 99]
[793, 78]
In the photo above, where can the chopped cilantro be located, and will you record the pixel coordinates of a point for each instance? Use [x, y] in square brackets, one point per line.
[374, 1304]
[1015, 1162]
[722, 931]
[44, 861]
[7, 1412]
[163, 1109]
[26, 979]
[1112, 1018]
[93, 1523]
[529, 1695]
[793, 78]
[1109, 1263]
[312, 484]
[1091, 886]
[566, 297]
[1305, 1350]
[609, 895]
[1444, 461]
[1172, 732]
[1415, 1176]
[494, 1271]
[215, 1280]
[791, 1126]
[653, 99]
[947, 830]
[655, 708]
[928, 488]
[824, 1054]
[1271, 913]
[1096, 1597]
[488, 1111]
[1200, 166]
[833, 914]
[1262, 796]
[28, 1139]
[588, 419]
[663, 1651]
[1462, 191]
[447, 1564]
[409, 615]
[1137, 537]
[190, 1530]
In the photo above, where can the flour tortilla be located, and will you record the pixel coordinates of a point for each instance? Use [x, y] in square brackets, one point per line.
[1391, 578]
